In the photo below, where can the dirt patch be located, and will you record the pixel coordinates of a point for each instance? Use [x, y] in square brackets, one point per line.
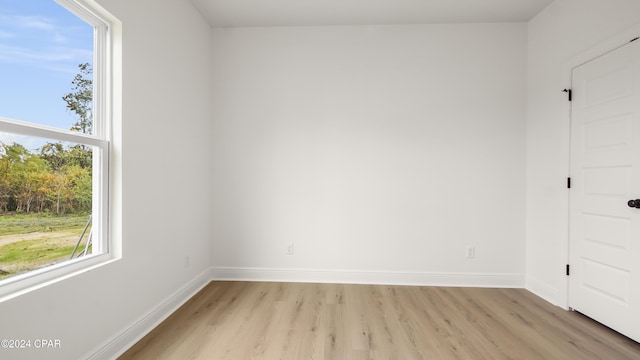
[27, 252]
[61, 237]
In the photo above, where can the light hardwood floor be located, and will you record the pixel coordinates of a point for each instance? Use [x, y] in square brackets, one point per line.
[248, 320]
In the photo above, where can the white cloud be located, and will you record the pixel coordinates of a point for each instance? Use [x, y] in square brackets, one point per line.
[28, 22]
[29, 142]
[60, 39]
[65, 59]
[8, 139]
[38, 40]
[33, 22]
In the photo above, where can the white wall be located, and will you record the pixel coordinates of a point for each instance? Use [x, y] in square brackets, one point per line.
[374, 150]
[380, 152]
[561, 33]
[165, 196]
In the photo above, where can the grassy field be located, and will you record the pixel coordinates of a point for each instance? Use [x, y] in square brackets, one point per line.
[29, 242]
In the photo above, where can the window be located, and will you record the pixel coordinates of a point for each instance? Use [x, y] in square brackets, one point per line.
[55, 135]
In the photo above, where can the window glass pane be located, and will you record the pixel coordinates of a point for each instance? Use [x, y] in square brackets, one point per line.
[46, 57]
[45, 202]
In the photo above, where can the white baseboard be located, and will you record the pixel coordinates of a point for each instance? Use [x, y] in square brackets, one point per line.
[117, 345]
[368, 277]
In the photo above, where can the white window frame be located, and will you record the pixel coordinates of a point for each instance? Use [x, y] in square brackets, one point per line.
[99, 140]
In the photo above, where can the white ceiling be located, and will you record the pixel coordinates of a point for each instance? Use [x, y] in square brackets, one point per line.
[237, 13]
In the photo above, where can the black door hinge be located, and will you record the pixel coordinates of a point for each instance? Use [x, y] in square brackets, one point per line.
[569, 94]
[568, 183]
[568, 268]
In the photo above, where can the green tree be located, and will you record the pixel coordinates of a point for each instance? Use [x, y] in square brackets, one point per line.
[80, 155]
[54, 154]
[27, 180]
[13, 159]
[56, 191]
[5, 185]
[80, 183]
[80, 99]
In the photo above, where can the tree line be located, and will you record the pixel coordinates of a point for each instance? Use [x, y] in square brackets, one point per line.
[55, 178]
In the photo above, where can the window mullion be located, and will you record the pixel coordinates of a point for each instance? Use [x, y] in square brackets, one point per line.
[28, 129]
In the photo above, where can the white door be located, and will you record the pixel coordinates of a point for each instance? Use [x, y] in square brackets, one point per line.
[605, 171]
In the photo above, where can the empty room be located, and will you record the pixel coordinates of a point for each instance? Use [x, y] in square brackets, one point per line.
[338, 179]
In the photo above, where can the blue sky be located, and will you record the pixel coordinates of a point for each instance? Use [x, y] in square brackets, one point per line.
[41, 46]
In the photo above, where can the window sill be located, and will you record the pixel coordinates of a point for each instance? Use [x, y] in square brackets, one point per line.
[23, 284]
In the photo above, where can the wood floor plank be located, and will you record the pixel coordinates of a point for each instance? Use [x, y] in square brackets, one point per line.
[254, 320]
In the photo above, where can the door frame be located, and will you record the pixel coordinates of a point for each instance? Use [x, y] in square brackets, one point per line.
[600, 49]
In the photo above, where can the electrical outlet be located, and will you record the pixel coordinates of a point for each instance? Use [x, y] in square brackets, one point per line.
[470, 252]
[290, 249]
